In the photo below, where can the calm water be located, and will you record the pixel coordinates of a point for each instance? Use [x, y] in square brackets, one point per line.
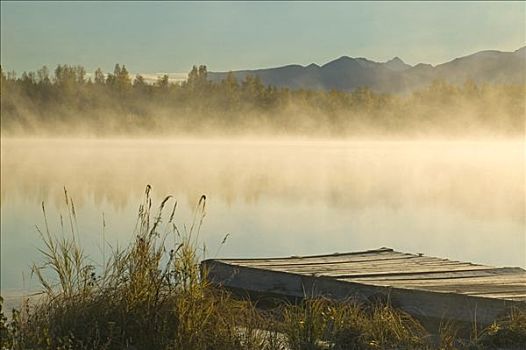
[462, 200]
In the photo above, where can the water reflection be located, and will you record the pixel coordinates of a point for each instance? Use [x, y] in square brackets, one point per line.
[463, 200]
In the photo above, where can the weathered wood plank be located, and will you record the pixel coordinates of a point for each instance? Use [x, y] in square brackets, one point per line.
[516, 274]
[369, 264]
[359, 269]
[337, 259]
[483, 281]
[371, 252]
[405, 272]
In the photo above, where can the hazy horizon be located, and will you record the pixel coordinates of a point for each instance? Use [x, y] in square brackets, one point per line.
[151, 76]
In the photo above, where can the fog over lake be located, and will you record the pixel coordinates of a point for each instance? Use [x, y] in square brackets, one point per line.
[463, 200]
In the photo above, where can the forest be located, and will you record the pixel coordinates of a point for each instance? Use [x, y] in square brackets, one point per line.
[68, 101]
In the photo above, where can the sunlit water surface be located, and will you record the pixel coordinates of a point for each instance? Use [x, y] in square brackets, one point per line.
[460, 200]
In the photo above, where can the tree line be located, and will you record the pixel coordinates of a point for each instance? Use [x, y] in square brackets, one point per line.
[68, 101]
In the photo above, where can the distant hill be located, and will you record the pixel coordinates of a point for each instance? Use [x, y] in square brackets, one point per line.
[394, 76]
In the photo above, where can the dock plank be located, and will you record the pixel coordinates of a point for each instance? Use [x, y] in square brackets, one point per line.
[322, 261]
[370, 264]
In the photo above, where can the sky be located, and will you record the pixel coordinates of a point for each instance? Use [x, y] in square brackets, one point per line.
[151, 37]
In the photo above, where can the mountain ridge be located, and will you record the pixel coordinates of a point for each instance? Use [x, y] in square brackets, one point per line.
[392, 76]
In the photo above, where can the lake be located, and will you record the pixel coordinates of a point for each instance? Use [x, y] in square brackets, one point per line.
[462, 200]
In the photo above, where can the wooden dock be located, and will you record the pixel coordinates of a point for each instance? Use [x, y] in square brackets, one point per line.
[425, 287]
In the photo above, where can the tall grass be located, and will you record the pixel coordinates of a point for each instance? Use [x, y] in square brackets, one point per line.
[148, 295]
[325, 324]
[152, 294]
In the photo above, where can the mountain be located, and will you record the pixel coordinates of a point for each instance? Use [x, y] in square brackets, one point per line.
[488, 66]
[397, 65]
[394, 76]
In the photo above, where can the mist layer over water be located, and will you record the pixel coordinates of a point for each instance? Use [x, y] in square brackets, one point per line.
[463, 200]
